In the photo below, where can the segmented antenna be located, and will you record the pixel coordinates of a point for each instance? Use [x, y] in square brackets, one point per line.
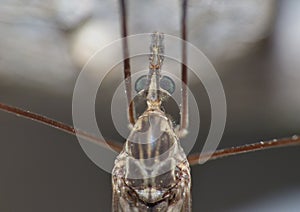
[157, 49]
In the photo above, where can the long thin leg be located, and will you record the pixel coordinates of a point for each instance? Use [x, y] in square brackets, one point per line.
[284, 142]
[59, 125]
[126, 64]
[184, 75]
[193, 159]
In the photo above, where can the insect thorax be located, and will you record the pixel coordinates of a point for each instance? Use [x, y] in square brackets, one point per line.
[152, 172]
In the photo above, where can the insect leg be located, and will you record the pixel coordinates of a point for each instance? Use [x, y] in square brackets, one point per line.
[184, 76]
[60, 126]
[263, 145]
[126, 63]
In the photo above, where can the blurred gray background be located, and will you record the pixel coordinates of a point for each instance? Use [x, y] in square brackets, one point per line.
[255, 47]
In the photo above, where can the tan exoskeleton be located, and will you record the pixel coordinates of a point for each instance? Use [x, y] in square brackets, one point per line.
[152, 172]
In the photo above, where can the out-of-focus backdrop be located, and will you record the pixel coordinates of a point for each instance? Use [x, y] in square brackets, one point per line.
[255, 47]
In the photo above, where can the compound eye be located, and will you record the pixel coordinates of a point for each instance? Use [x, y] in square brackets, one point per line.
[141, 83]
[167, 84]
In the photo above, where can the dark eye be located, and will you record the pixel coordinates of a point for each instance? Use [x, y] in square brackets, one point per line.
[141, 83]
[167, 84]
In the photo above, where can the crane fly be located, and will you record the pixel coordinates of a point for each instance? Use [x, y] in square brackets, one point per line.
[139, 184]
[152, 172]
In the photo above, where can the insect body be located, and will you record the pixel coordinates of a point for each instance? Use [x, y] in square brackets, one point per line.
[152, 172]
